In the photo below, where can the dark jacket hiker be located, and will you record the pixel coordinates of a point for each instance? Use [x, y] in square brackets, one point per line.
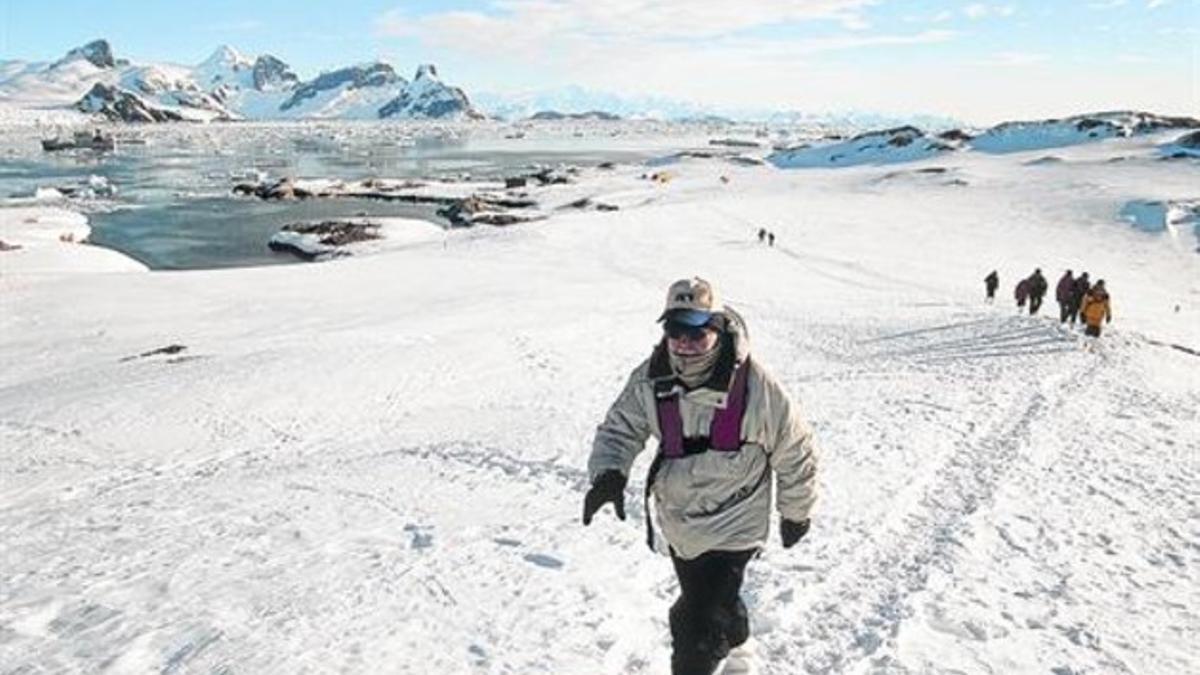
[1082, 286]
[1037, 290]
[1063, 293]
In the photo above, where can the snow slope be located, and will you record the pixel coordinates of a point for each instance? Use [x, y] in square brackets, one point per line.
[377, 464]
[1021, 136]
[908, 143]
[888, 146]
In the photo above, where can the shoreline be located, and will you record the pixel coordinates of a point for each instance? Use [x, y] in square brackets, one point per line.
[53, 241]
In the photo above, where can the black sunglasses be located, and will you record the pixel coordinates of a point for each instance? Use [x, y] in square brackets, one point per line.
[680, 331]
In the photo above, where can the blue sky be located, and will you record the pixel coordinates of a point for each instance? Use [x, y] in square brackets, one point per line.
[980, 61]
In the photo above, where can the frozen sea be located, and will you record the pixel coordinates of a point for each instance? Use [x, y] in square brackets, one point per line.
[174, 208]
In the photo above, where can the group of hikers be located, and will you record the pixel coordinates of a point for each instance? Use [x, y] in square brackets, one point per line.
[1078, 298]
[732, 446]
[763, 234]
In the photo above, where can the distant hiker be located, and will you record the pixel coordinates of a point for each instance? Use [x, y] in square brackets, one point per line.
[1082, 286]
[762, 234]
[729, 436]
[1037, 290]
[991, 282]
[1096, 309]
[771, 239]
[1063, 293]
[1021, 292]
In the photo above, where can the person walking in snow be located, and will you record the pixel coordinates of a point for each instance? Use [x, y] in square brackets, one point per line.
[1082, 286]
[762, 234]
[1063, 293]
[729, 436]
[991, 282]
[771, 239]
[1096, 309]
[1021, 292]
[1037, 290]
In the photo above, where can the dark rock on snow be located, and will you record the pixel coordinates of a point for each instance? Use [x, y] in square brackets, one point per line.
[97, 52]
[376, 74]
[120, 105]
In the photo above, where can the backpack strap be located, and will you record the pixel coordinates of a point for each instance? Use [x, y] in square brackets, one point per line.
[670, 424]
[724, 435]
[725, 432]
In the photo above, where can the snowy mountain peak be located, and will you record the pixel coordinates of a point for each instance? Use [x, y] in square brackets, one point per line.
[96, 52]
[426, 97]
[226, 57]
[426, 71]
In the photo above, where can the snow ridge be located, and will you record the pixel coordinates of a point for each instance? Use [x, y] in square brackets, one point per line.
[226, 86]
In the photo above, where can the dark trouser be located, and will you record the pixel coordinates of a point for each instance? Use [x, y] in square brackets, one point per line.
[709, 617]
[1094, 331]
[1064, 312]
[1035, 303]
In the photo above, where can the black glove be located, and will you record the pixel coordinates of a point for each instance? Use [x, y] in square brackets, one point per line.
[608, 487]
[792, 531]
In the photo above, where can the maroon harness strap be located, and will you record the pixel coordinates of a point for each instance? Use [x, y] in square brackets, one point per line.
[725, 431]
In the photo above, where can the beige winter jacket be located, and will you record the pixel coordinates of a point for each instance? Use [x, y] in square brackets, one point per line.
[715, 500]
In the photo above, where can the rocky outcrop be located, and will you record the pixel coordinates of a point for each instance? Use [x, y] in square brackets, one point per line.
[955, 136]
[481, 210]
[1186, 146]
[594, 115]
[119, 105]
[899, 144]
[734, 143]
[461, 205]
[282, 189]
[315, 241]
[1021, 136]
[271, 73]
[96, 52]
[376, 74]
[1190, 141]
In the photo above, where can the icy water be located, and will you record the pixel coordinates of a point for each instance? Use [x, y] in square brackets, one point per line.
[174, 208]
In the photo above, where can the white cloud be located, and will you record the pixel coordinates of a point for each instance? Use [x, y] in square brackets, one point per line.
[1153, 4]
[710, 56]
[630, 18]
[979, 10]
[644, 45]
[1135, 58]
[855, 23]
[976, 11]
[1014, 59]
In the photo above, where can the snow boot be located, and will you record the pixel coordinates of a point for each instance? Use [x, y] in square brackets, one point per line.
[742, 660]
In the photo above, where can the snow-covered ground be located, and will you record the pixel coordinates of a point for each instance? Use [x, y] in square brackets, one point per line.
[376, 464]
